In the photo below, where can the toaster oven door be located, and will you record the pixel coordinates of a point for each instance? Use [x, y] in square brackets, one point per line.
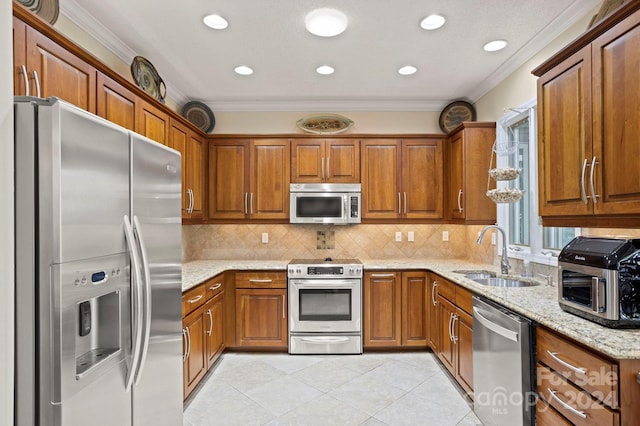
[589, 289]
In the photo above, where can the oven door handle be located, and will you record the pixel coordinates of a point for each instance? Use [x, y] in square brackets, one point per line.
[325, 339]
[322, 284]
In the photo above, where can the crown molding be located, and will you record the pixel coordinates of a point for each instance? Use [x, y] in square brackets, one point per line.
[327, 105]
[572, 14]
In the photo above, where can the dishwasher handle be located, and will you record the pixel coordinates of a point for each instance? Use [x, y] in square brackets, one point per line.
[506, 333]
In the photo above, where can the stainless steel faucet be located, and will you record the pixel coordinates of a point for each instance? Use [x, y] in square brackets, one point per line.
[504, 263]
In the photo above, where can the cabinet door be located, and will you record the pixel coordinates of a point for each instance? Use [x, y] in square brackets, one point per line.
[342, 161]
[195, 174]
[228, 179]
[307, 161]
[59, 73]
[214, 337]
[565, 137]
[382, 305]
[616, 114]
[178, 140]
[456, 193]
[153, 123]
[115, 103]
[270, 171]
[381, 179]
[195, 363]
[414, 309]
[446, 352]
[464, 355]
[20, 79]
[261, 318]
[433, 322]
[422, 179]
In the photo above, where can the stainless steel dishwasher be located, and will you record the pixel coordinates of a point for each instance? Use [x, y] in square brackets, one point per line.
[502, 365]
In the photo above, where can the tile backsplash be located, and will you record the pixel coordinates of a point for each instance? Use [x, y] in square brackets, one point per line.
[367, 241]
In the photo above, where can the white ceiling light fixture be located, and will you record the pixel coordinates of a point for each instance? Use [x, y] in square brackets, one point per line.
[326, 22]
[243, 70]
[216, 22]
[495, 45]
[432, 22]
[325, 69]
[407, 70]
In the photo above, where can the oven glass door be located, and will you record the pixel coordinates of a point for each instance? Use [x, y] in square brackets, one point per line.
[325, 305]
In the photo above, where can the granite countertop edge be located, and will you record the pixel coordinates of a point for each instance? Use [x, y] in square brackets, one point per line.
[538, 303]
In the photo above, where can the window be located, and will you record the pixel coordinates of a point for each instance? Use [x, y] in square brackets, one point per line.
[527, 239]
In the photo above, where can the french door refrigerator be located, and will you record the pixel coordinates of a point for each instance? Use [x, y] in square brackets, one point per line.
[98, 271]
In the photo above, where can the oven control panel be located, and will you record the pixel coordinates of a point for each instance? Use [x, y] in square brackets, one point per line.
[324, 271]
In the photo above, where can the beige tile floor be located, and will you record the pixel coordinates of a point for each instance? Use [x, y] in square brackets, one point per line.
[370, 389]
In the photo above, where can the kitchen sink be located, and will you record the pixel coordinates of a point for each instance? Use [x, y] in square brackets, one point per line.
[474, 275]
[504, 282]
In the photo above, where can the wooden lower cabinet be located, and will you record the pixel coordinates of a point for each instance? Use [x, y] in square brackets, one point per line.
[395, 309]
[261, 317]
[203, 330]
[193, 349]
[452, 336]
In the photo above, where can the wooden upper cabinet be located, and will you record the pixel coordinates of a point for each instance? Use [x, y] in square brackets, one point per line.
[381, 179]
[269, 179]
[228, 178]
[116, 103]
[402, 179]
[153, 123]
[54, 71]
[616, 119]
[179, 137]
[20, 72]
[422, 179]
[325, 160]
[195, 174]
[469, 150]
[564, 136]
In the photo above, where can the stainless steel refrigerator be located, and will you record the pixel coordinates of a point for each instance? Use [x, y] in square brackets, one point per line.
[98, 271]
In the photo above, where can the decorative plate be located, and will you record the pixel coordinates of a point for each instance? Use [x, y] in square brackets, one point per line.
[146, 76]
[48, 10]
[454, 114]
[200, 115]
[325, 124]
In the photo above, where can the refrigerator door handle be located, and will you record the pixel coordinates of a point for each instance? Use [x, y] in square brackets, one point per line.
[136, 303]
[146, 299]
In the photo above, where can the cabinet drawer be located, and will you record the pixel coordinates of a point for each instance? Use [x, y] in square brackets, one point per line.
[193, 299]
[573, 403]
[214, 286]
[261, 280]
[546, 415]
[595, 374]
[463, 299]
[446, 288]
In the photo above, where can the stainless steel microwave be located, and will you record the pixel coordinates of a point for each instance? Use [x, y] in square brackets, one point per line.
[325, 203]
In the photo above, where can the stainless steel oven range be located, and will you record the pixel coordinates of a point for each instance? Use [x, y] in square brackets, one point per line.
[325, 306]
[599, 279]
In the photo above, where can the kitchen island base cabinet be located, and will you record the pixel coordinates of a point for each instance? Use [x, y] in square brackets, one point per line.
[395, 309]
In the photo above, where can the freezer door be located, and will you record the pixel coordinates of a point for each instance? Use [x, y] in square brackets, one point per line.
[156, 212]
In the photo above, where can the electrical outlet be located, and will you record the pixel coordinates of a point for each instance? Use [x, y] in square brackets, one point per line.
[445, 235]
[265, 237]
[398, 236]
[410, 236]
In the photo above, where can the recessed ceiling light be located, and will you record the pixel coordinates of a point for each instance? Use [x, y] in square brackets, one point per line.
[407, 70]
[325, 69]
[243, 70]
[216, 22]
[495, 45]
[326, 22]
[432, 22]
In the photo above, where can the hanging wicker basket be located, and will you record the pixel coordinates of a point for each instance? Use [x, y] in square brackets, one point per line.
[504, 173]
[505, 195]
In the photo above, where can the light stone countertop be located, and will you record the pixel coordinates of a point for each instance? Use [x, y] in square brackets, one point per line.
[539, 303]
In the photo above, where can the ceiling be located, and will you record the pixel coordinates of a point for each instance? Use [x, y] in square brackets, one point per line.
[197, 62]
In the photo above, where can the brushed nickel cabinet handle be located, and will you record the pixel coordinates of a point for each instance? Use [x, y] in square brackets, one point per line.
[251, 203]
[453, 329]
[260, 281]
[184, 339]
[583, 191]
[328, 170]
[383, 275]
[246, 196]
[578, 370]
[405, 203]
[215, 286]
[552, 394]
[399, 204]
[433, 293]
[322, 161]
[284, 307]
[37, 81]
[25, 77]
[188, 343]
[195, 299]
[210, 322]
[594, 196]
[460, 201]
